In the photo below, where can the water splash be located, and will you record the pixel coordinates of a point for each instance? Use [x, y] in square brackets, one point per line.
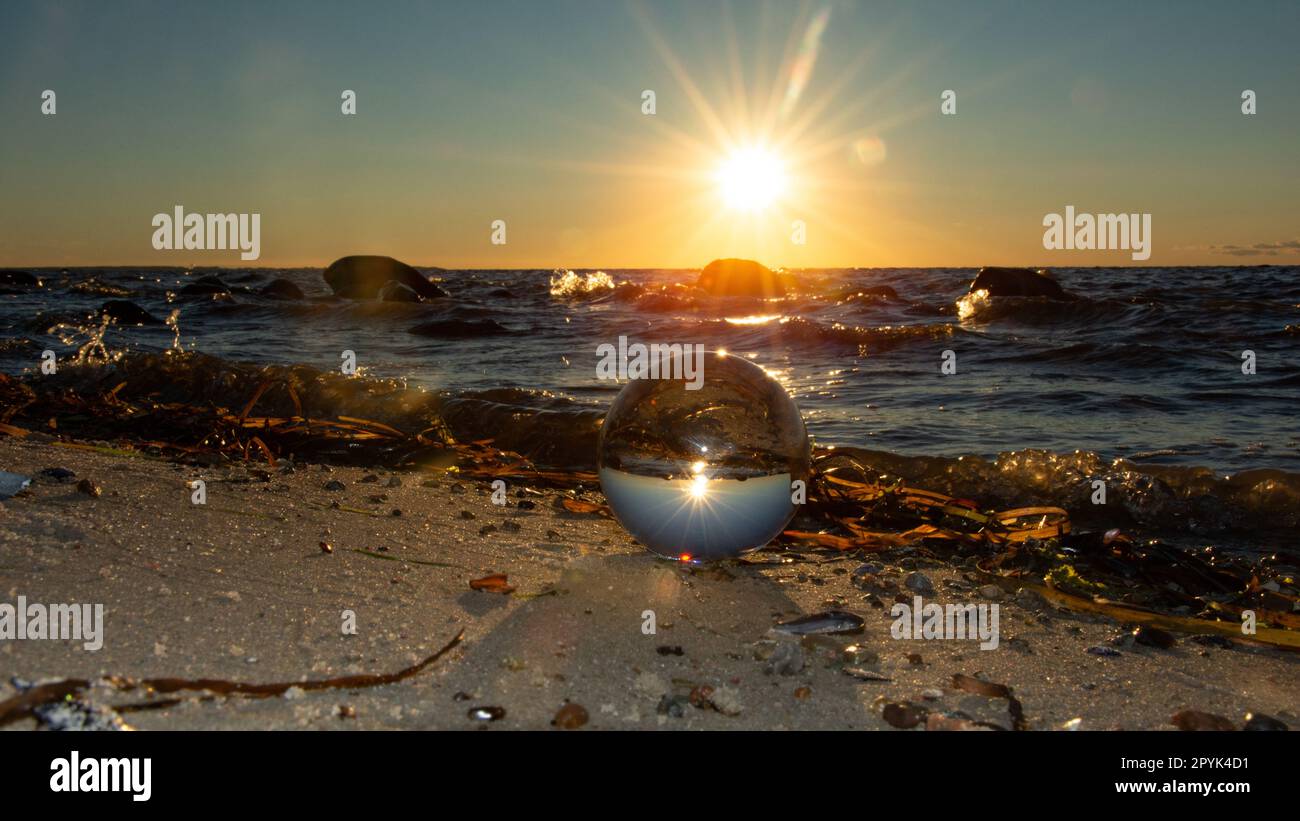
[569, 283]
[174, 322]
[93, 351]
[971, 304]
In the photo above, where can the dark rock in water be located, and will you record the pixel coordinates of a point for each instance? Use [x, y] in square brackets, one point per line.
[1258, 721]
[19, 279]
[460, 329]
[127, 313]
[206, 286]
[1017, 282]
[281, 289]
[740, 277]
[361, 277]
[394, 291]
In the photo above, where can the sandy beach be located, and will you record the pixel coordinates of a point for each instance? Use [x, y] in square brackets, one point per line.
[241, 589]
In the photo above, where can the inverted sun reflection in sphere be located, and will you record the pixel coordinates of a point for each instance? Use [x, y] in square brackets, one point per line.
[704, 474]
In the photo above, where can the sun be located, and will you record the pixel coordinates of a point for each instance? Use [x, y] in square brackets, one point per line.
[751, 178]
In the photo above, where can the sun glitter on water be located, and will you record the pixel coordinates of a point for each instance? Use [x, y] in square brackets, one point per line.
[751, 179]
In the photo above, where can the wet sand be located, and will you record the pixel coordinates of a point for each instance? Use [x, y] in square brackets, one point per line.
[240, 589]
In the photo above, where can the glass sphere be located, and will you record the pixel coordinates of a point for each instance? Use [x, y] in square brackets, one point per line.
[707, 473]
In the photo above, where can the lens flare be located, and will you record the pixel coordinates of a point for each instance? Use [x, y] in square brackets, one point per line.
[802, 68]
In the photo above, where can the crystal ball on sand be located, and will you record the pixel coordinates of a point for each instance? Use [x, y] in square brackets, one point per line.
[706, 473]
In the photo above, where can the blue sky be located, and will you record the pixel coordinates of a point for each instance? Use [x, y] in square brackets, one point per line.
[529, 112]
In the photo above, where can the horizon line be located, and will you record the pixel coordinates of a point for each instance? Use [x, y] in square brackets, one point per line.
[575, 268]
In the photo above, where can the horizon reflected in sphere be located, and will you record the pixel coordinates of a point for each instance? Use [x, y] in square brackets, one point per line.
[703, 474]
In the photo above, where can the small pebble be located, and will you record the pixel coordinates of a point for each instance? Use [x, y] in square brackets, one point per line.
[1259, 721]
[1030, 599]
[903, 714]
[1191, 720]
[58, 476]
[570, 717]
[787, 659]
[1154, 637]
[673, 706]
[918, 583]
[486, 713]
[857, 654]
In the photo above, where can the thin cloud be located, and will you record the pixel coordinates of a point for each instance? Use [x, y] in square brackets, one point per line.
[1259, 249]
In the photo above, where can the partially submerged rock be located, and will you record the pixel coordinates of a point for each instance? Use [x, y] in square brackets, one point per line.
[206, 286]
[281, 289]
[362, 277]
[1017, 282]
[18, 279]
[740, 277]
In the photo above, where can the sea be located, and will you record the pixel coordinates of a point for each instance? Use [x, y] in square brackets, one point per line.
[1188, 377]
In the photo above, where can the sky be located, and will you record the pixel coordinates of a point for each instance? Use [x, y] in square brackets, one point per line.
[532, 113]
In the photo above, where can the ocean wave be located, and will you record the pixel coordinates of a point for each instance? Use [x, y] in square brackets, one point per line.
[560, 432]
[798, 330]
[1042, 311]
[565, 283]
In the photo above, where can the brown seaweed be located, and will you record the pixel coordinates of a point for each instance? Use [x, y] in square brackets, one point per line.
[25, 704]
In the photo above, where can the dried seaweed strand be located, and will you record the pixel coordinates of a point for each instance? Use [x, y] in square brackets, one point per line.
[25, 704]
